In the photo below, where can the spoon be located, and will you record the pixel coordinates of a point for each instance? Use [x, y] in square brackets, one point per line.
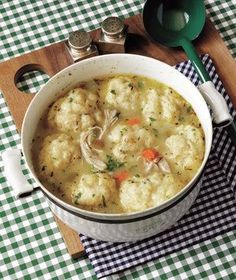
[175, 24]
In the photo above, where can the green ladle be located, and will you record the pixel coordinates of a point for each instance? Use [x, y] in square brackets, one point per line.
[176, 23]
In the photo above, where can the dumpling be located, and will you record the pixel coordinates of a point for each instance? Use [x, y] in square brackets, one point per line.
[194, 135]
[122, 94]
[167, 188]
[128, 141]
[94, 190]
[116, 133]
[138, 194]
[170, 109]
[160, 105]
[151, 105]
[75, 111]
[186, 147]
[58, 151]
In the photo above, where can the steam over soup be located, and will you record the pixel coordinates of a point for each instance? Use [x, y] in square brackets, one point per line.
[118, 144]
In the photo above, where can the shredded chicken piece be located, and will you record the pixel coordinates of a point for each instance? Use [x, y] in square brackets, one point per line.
[110, 118]
[94, 133]
[164, 165]
[160, 163]
[89, 152]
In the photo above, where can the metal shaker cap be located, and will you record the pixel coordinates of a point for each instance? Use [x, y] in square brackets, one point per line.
[79, 40]
[113, 27]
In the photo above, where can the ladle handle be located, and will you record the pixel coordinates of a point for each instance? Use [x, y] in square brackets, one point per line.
[196, 61]
[216, 101]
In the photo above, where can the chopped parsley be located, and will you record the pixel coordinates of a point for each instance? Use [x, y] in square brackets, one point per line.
[130, 85]
[77, 197]
[113, 164]
[113, 91]
[140, 84]
[71, 99]
[146, 128]
[137, 175]
[155, 131]
[152, 119]
[123, 130]
[189, 109]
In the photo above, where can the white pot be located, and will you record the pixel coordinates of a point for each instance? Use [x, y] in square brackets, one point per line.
[118, 227]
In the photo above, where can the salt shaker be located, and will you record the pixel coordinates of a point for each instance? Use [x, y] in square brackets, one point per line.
[113, 36]
[81, 46]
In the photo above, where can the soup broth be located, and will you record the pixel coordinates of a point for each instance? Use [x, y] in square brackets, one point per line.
[118, 144]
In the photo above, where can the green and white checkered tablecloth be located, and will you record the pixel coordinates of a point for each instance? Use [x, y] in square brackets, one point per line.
[31, 246]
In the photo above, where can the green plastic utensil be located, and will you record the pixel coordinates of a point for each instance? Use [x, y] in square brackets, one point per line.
[176, 23]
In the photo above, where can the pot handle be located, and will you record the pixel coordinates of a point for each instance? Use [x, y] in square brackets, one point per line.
[13, 172]
[217, 103]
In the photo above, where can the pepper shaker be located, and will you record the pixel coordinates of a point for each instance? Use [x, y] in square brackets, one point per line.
[81, 46]
[113, 36]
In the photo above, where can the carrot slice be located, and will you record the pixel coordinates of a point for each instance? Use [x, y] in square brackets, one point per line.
[121, 175]
[150, 154]
[133, 121]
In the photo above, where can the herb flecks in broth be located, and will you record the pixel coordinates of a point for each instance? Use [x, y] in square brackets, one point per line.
[118, 144]
[113, 164]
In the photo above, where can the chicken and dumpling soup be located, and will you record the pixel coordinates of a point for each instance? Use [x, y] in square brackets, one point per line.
[118, 144]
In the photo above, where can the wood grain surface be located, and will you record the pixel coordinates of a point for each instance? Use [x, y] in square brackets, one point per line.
[53, 58]
[71, 238]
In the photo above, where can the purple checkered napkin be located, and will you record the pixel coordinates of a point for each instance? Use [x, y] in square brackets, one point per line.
[213, 212]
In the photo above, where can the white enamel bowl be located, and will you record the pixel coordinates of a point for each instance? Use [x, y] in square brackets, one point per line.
[118, 227]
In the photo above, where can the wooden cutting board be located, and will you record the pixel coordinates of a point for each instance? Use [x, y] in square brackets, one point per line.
[53, 58]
